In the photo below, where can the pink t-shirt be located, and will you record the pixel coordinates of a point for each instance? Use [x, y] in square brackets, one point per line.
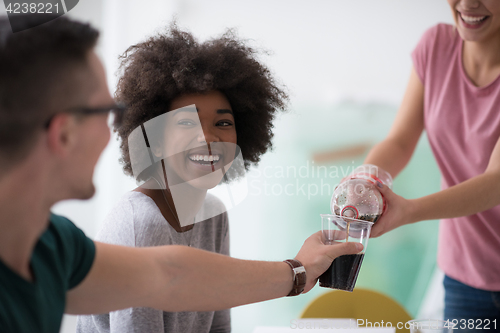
[463, 125]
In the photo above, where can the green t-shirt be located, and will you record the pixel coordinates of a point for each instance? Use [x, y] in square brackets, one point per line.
[61, 260]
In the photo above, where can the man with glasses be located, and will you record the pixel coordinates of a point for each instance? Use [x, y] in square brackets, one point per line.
[54, 103]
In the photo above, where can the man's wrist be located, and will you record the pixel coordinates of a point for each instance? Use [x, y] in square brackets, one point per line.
[299, 276]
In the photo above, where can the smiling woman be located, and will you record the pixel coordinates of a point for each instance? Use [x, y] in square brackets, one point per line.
[476, 21]
[198, 140]
[454, 94]
[198, 112]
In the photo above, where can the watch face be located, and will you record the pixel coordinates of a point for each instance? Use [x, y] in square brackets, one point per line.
[299, 270]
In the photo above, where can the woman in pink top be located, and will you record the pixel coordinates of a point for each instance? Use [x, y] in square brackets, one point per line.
[454, 94]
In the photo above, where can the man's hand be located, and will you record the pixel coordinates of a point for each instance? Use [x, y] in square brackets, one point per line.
[399, 212]
[317, 257]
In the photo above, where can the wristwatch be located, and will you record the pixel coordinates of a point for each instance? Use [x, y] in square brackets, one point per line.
[299, 276]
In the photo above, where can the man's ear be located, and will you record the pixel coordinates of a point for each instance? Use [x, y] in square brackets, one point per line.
[61, 134]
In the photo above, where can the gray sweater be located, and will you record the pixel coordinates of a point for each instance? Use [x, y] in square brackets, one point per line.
[137, 221]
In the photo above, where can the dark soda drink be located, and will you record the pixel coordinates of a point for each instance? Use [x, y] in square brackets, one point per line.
[342, 273]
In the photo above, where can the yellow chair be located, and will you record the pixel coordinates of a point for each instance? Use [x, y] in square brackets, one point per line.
[362, 304]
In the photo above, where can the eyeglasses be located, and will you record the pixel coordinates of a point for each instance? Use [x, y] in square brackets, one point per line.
[117, 109]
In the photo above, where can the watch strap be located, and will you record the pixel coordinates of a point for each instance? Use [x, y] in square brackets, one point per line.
[299, 276]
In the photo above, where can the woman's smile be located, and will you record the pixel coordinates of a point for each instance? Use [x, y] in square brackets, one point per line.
[472, 21]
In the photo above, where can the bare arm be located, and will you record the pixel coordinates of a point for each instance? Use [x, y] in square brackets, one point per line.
[394, 152]
[469, 197]
[474, 195]
[178, 278]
